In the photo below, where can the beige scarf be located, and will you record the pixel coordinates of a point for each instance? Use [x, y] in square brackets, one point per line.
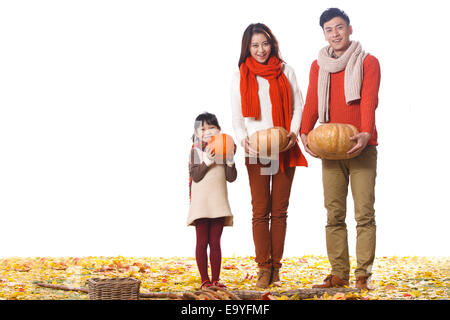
[352, 62]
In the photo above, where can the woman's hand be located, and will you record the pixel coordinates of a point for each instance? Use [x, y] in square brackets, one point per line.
[248, 149]
[305, 145]
[361, 139]
[292, 140]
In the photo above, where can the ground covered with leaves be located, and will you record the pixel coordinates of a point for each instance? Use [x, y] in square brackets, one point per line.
[425, 278]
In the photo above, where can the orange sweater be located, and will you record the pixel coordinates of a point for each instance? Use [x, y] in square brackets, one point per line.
[360, 113]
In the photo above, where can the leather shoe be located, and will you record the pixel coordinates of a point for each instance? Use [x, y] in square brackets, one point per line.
[332, 281]
[361, 282]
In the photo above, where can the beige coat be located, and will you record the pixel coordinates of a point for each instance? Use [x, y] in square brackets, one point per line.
[209, 196]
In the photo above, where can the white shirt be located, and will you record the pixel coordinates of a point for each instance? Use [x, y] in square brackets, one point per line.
[245, 127]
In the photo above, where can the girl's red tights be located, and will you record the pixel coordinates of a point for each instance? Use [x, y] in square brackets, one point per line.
[209, 232]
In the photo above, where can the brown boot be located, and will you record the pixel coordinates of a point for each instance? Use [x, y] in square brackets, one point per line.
[361, 282]
[275, 279]
[332, 281]
[263, 278]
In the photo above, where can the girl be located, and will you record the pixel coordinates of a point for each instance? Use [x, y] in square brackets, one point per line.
[264, 94]
[209, 209]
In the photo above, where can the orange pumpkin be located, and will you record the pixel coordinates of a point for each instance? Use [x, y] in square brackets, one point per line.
[269, 142]
[332, 141]
[222, 145]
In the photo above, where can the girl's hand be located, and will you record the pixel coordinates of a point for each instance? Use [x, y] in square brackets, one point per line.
[210, 153]
[230, 155]
[305, 145]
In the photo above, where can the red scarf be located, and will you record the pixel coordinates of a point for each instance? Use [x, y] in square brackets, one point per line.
[280, 97]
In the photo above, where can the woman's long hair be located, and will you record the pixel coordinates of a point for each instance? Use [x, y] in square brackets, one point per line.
[247, 38]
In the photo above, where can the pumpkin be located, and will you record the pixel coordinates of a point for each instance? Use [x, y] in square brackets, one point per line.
[222, 145]
[332, 141]
[269, 142]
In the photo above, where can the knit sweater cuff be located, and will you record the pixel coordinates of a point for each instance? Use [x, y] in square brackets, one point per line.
[208, 161]
[230, 163]
[368, 119]
[307, 125]
[295, 128]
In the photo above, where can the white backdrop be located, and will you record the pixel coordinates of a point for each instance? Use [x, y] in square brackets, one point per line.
[98, 101]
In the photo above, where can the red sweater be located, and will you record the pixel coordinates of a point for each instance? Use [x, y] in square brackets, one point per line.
[360, 113]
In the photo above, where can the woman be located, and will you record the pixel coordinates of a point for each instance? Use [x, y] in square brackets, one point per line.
[264, 94]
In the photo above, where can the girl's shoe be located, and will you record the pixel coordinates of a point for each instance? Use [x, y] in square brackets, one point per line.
[218, 284]
[206, 284]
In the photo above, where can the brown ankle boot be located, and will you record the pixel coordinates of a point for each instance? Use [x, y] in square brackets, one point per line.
[275, 279]
[361, 282]
[263, 278]
[332, 281]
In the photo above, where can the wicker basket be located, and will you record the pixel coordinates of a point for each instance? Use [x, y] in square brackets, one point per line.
[113, 289]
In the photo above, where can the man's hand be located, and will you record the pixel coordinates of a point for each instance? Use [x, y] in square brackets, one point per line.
[361, 139]
[305, 145]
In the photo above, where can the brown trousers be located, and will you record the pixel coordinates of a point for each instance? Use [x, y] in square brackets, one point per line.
[270, 200]
[361, 172]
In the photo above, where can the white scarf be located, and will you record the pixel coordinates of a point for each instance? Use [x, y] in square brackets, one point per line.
[352, 62]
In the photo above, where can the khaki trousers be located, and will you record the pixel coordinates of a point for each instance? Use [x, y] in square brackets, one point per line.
[361, 172]
[270, 200]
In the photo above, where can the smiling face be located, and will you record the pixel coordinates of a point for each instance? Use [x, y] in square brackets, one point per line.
[260, 48]
[337, 33]
[206, 131]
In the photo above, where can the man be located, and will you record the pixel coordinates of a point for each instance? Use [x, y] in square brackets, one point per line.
[343, 88]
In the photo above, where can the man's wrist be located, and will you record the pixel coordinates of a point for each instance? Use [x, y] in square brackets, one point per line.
[367, 134]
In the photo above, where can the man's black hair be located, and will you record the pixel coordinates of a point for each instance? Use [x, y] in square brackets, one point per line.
[331, 13]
